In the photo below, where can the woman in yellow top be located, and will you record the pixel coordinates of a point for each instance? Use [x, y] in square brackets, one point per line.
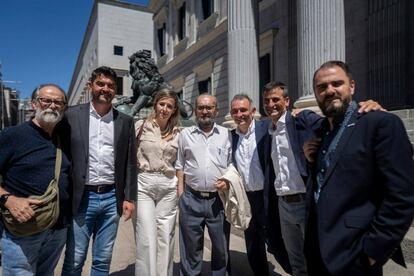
[157, 139]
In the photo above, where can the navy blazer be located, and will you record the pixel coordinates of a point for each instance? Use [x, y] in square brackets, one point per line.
[366, 204]
[261, 132]
[77, 127]
[300, 129]
[273, 232]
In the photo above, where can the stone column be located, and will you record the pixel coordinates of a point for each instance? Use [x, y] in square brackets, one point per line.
[243, 58]
[321, 37]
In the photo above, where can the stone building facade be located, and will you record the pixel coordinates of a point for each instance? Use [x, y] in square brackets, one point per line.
[115, 31]
[206, 46]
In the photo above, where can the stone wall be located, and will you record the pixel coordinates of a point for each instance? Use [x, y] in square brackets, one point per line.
[407, 116]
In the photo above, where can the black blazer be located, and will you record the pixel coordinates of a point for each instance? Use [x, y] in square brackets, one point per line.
[261, 139]
[300, 129]
[77, 118]
[366, 204]
[273, 232]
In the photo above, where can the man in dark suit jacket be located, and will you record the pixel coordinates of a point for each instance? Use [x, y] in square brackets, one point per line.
[285, 195]
[361, 192]
[285, 203]
[103, 154]
[248, 150]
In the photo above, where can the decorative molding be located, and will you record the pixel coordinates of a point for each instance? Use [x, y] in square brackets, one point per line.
[266, 41]
[178, 83]
[193, 48]
[204, 70]
[207, 25]
[161, 17]
[161, 61]
[180, 46]
[177, 3]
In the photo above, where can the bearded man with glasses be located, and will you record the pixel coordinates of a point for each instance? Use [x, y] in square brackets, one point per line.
[27, 165]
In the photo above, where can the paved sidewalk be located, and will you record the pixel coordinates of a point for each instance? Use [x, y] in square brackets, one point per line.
[124, 255]
[124, 252]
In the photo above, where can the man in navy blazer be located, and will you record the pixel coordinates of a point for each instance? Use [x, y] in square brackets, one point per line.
[249, 140]
[103, 155]
[285, 190]
[361, 191]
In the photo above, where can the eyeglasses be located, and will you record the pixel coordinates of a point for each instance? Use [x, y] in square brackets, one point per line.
[48, 102]
[206, 107]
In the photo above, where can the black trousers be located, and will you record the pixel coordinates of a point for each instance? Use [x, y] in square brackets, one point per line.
[255, 235]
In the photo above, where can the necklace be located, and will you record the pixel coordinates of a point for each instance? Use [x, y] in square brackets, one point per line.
[164, 133]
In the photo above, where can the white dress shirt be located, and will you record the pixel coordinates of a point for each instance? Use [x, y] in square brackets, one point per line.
[288, 180]
[247, 160]
[204, 159]
[101, 148]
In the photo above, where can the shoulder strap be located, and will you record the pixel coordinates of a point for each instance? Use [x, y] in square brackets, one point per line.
[58, 162]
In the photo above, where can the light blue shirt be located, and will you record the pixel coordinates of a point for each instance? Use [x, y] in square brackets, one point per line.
[203, 158]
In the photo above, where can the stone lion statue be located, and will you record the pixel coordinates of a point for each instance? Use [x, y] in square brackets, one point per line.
[146, 81]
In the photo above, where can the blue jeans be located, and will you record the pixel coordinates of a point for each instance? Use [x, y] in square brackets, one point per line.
[97, 216]
[33, 255]
[292, 223]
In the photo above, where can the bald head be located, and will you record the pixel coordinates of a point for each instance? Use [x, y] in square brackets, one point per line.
[211, 98]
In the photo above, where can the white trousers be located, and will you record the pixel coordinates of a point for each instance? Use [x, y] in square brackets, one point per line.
[156, 212]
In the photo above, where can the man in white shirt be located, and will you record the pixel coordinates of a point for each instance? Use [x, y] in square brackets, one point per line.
[288, 135]
[249, 141]
[103, 152]
[204, 155]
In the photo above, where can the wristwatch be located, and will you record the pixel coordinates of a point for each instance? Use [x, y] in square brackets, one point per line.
[3, 199]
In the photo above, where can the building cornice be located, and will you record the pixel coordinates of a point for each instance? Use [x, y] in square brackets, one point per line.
[221, 28]
[125, 5]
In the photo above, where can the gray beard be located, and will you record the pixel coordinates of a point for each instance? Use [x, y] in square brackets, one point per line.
[48, 116]
[205, 124]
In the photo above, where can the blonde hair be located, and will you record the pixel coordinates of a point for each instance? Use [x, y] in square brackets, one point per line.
[174, 120]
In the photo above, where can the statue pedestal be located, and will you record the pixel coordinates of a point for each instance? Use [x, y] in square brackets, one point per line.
[308, 102]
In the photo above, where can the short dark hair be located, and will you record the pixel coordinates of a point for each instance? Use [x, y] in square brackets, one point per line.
[276, 84]
[241, 97]
[333, 63]
[35, 92]
[103, 70]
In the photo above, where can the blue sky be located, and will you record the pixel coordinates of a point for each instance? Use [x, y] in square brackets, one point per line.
[40, 40]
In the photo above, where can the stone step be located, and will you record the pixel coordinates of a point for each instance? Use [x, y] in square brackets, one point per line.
[404, 113]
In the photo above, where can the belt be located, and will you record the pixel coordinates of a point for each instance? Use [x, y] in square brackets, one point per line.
[202, 195]
[293, 198]
[99, 189]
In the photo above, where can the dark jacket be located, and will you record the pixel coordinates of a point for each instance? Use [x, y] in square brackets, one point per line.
[366, 204]
[77, 118]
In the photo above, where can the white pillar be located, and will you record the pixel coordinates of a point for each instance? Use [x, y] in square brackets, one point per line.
[321, 37]
[243, 59]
